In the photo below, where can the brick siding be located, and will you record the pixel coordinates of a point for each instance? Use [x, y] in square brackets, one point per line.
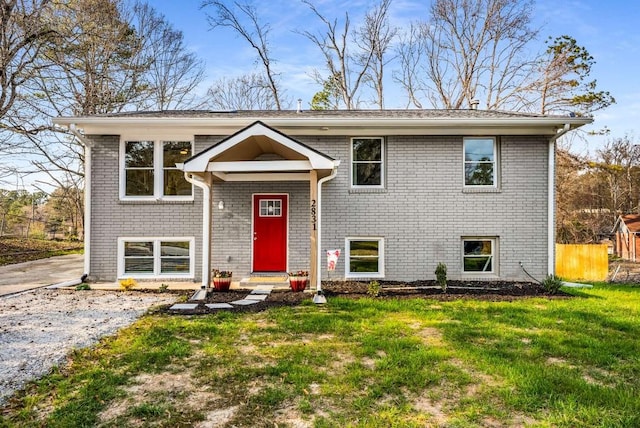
[422, 213]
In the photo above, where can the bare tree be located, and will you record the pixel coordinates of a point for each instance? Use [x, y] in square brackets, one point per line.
[348, 69]
[569, 170]
[24, 31]
[592, 192]
[174, 72]
[247, 92]
[410, 54]
[582, 213]
[374, 37]
[618, 165]
[94, 64]
[107, 56]
[243, 19]
[469, 50]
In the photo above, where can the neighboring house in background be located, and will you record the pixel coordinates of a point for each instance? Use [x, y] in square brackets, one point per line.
[171, 195]
[626, 233]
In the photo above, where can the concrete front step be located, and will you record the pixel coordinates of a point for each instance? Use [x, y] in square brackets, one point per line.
[259, 282]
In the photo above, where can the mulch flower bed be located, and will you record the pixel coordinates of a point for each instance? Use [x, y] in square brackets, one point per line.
[489, 291]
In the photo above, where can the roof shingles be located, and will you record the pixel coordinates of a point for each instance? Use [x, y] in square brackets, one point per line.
[347, 114]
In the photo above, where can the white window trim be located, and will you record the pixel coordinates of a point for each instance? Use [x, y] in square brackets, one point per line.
[158, 171]
[494, 256]
[156, 257]
[383, 152]
[347, 246]
[278, 208]
[496, 163]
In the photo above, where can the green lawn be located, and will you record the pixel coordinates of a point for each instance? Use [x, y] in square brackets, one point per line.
[371, 363]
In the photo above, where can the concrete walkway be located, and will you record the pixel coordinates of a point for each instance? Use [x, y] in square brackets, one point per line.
[54, 270]
[256, 295]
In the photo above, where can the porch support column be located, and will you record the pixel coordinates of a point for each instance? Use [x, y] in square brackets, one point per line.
[313, 213]
[207, 223]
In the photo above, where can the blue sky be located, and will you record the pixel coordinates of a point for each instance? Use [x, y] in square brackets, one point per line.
[608, 29]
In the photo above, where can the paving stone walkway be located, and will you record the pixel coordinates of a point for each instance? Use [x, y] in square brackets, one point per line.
[257, 295]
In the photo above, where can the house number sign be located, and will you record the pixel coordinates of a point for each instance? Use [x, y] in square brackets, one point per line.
[314, 216]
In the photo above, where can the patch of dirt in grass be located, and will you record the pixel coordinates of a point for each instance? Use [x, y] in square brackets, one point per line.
[255, 387]
[599, 377]
[218, 417]
[430, 336]
[516, 420]
[179, 389]
[559, 362]
[291, 417]
[591, 375]
[369, 363]
[314, 389]
[482, 378]
[477, 390]
[424, 404]
[339, 364]
[519, 420]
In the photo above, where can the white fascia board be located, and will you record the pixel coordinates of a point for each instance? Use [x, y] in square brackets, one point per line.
[320, 162]
[260, 166]
[327, 126]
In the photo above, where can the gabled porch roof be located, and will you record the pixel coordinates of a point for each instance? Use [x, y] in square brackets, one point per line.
[236, 158]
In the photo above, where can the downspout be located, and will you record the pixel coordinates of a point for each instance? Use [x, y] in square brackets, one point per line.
[205, 185]
[551, 205]
[319, 241]
[87, 196]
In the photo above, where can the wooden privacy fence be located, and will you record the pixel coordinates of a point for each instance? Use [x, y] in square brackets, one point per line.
[582, 262]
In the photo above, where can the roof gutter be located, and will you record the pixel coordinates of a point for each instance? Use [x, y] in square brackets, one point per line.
[325, 125]
[88, 145]
[323, 180]
[551, 204]
[205, 185]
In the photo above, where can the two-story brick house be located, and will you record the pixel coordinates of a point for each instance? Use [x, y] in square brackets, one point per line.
[171, 195]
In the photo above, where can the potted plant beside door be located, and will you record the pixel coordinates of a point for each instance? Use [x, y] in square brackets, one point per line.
[298, 280]
[221, 279]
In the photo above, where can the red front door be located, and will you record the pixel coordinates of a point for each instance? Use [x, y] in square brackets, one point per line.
[270, 233]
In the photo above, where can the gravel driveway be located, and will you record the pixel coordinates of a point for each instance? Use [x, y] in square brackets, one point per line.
[39, 328]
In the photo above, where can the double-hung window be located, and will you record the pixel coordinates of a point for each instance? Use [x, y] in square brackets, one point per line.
[367, 162]
[149, 170]
[364, 257]
[139, 168]
[156, 257]
[479, 255]
[480, 162]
